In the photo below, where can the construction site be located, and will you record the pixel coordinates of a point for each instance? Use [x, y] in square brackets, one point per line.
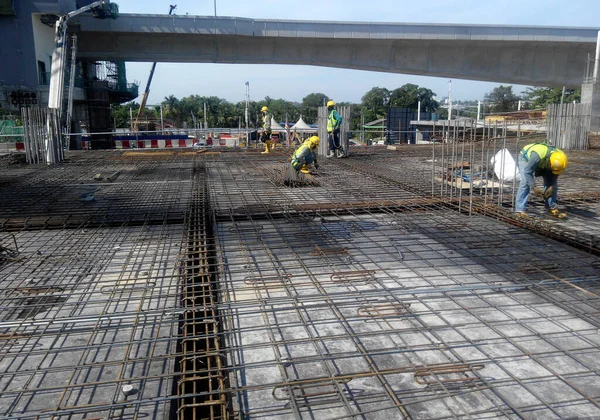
[193, 275]
[195, 285]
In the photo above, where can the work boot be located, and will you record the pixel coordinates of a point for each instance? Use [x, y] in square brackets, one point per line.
[330, 153]
[340, 153]
[522, 215]
[266, 151]
[557, 213]
[305, 169]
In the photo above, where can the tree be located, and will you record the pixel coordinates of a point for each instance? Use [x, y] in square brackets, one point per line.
[310, 105]
[540, 97]
[120, 114]
[172, 109]
[279, 107]
[409, 95]
[375, 103]
[502, 99]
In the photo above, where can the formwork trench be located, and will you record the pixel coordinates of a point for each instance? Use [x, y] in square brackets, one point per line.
[197, 286]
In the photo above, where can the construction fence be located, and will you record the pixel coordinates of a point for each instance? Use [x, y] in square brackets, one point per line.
[568, 125]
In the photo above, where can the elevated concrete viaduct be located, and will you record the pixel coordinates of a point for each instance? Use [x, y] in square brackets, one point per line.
[543, 56]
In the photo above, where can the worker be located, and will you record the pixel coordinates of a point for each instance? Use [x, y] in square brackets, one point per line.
[334, 122]
[306, 155]
[265, 134]
[540, 159]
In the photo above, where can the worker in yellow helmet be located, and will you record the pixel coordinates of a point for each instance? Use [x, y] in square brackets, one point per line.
[540, 159]
[265, 134]
[334, 122]
[306, 155]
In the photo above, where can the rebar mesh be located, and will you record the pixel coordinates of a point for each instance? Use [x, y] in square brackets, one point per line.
[215, 292]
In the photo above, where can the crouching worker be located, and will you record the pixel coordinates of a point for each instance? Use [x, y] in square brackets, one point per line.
[306, 155]
[540, 159]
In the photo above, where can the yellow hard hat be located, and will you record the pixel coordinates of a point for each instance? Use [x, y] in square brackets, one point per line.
[264, 109]
[330, 103]
[315, 141]
[558, 162]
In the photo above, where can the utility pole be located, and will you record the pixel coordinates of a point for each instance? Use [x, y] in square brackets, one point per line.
[162, 124]
[597, 60]
[449, 100]
[215, 8]
[478, 110]
[247, 103]
[246, 116]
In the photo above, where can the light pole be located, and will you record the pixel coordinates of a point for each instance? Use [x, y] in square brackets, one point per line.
[162, 124]
[449, 100]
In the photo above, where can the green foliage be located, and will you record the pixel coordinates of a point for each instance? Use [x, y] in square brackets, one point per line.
[540, 97]
[502, 99]
[409, 95]
[310, 106]
[375, 103]
[221, 113]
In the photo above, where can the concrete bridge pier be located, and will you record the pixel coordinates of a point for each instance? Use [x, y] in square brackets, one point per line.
[590, 94]
[590, 90]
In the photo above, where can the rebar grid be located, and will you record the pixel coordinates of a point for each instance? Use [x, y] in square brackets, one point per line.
[344, 331]
[365, 296]
[85, 313]
[91, 307]
[96, 189]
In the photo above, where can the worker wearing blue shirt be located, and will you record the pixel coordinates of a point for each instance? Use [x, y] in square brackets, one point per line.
[540, 159]
[334, 122]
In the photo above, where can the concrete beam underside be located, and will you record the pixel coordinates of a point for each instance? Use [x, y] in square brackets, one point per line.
[530, 63]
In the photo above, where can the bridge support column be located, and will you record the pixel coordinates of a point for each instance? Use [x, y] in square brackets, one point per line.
[590, 90]
[590, 94]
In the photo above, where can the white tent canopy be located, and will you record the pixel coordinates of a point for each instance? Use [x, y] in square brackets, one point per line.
[275, 125]
[302, 126]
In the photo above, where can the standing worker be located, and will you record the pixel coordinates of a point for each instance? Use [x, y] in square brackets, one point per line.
[334, 121]
[540, 159]
[265, 134]
[306, 155]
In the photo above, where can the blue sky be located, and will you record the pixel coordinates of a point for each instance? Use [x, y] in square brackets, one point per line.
[295, 82]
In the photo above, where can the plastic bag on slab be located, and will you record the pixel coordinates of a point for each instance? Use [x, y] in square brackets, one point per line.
[505, 166]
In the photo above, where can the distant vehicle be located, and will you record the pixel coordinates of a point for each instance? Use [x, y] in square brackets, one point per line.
[380, 143]
[200, 144]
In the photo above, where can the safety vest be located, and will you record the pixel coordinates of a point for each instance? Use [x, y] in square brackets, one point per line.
[542, 149]
[332, 122]
[266, 121]
[299, 155]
